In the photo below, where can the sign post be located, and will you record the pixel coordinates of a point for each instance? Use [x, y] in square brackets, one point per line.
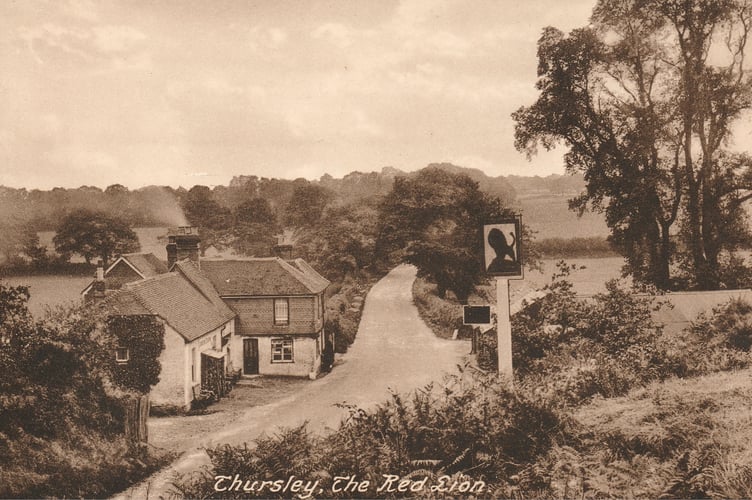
[504, 330]
[502, 251]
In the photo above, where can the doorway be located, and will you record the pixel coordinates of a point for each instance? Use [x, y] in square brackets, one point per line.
[250, 357]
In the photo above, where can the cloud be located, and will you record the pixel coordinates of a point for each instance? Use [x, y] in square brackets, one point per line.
[261, 39]
[116, 38]
[336, 33]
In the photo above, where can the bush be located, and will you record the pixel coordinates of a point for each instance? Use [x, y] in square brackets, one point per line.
[471, 425]
[441, 315]
[61, 421]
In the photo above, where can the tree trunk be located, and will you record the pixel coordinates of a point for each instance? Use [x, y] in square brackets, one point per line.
[664, 259]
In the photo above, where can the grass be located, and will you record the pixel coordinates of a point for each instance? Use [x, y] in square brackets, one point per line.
[82, 464]
[681, 438]
[50, 291]
[550, 217]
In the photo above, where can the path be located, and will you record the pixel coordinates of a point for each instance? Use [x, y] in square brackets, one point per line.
[394, 350]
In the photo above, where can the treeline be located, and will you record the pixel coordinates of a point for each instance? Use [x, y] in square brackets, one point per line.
[24, 213]
[564, 248]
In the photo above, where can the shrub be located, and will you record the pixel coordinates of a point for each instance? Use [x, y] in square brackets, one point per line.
[61, 422]
[471, 425]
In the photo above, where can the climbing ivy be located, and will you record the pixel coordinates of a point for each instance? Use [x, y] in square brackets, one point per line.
[143, 336]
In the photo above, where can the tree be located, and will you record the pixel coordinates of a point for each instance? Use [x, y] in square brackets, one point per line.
[343, 242]
[645, 114]
[307, 204]
[94, 234]
[255, 227]
[434, 220]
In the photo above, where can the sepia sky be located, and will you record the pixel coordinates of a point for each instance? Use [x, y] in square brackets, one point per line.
[183, 93]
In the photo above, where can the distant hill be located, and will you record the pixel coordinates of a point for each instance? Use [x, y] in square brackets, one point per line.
[553, 184]
[543, 201]
[358, 185]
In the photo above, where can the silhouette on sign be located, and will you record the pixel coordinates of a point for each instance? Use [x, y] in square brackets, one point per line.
[502, 249]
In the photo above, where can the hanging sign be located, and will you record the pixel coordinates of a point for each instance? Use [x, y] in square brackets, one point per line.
[502, 248]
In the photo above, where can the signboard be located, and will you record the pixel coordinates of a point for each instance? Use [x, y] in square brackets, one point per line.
[476, 315]
[502, 248]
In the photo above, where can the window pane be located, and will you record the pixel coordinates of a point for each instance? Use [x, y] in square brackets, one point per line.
[282, 350]
[281, 311]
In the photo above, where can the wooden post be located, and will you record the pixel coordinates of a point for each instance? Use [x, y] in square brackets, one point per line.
[504, 330]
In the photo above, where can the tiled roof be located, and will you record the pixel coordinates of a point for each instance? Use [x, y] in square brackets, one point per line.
[147, 263]
[193, 274]
[174, 299]
[263, 276]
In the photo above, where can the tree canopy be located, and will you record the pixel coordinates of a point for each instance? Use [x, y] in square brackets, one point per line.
[644, 99]
[94, 234]
[434, 220]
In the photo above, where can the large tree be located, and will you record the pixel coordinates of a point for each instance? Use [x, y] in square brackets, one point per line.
[644, 99]
[94, 234]
[254, 228]
[434, 220]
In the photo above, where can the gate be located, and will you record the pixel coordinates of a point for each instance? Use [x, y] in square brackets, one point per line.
[213, 375]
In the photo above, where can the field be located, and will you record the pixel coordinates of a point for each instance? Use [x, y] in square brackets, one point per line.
[590, 279]
[550, 217]
[50, 291]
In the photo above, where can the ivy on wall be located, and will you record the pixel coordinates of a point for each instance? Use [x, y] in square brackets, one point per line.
[143, 337]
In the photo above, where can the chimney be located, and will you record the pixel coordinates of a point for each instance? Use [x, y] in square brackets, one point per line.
[99, 286]
[182, 243]
[283, 248]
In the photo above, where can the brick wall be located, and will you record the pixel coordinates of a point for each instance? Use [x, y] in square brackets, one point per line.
[256, 315]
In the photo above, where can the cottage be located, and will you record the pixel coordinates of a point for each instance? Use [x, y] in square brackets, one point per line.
[280, 313]
[126, 269]
[258, 315]
[198, 332]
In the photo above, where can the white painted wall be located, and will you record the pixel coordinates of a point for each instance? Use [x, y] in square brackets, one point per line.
[181, 365]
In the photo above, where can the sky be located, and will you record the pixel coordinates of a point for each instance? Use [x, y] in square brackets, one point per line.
[194, 92]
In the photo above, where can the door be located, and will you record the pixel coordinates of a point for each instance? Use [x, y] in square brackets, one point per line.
[250, 356]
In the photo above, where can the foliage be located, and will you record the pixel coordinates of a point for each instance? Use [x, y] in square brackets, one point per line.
[470, 427]
[143, 336]
[343, 242]
[645, 112]
[565, 248]
[61, 427]
[306, 205]
[443, 316]
[214, 220]
[255, 226]
[94, 234]
[572, 349]
[434, 220]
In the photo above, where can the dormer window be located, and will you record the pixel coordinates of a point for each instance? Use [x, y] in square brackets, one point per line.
[122, 355]
[281, 312]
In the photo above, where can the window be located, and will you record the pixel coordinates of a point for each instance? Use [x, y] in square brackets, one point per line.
[282, 351]
[281, 312]
[122, 355]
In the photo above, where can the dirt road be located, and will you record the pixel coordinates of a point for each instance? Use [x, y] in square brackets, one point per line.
[394, 350]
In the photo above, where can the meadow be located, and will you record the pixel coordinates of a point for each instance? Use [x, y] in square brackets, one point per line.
[549, 217]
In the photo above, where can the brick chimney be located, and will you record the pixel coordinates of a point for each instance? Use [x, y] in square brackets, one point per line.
[283, 248]
[182, 243]
[99, 286]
